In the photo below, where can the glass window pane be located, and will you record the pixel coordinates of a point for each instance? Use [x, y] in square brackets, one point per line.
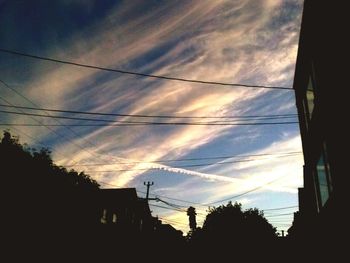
[310, 97]
[322, 180]
[306, 117]
[114, 219]
[327, 168]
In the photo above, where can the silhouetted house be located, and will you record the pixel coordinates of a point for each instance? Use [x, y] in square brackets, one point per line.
[124, 211]
[167, 237]
[318, 83]
[169, 232]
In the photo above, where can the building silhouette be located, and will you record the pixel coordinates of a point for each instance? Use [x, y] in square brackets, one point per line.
[122, 209]
[318, 83]
[126, 221]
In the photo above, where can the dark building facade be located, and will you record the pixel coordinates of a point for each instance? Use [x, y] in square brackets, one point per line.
[123, 210]
[318, 83]
[126, 218]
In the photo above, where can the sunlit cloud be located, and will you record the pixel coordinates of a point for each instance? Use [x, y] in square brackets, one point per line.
[224, 41]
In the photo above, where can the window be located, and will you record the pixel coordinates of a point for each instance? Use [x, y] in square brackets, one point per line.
[305, 114]
[324, 177]
[104, 216]
[322, 180]
[115, 218]
[310, 97]
[328, 169]
[308, 102]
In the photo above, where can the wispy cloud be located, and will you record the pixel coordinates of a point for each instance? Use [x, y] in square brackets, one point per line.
[226, 41]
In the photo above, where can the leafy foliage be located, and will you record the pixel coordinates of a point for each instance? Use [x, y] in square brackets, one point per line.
[227, 225]
[20, 161]
[41, 198]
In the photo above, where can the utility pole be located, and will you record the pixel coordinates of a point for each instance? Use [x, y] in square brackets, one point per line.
[148, 186]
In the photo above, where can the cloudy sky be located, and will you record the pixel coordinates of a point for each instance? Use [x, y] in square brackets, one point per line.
[252, 42]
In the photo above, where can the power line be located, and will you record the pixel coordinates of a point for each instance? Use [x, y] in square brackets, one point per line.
[185, 201]
[281, 226]
[67, 127]
[177, 209]
[279, 215]
[206, 205]
[169, 208]
[280, 208]
[280, 220]
[156, 195]
[178, 166]
[277, 155]
[12, 52]
[176, 206]
[247, 192]
[152, 116]
[171, 204]
[235, 196]
[232, 197]
[173, 222]
[42, 125]
[254, 189]
[35, 140]
[181, 210]
[127, 123]
[113, 185]
[180, 200]
[134, 122]
[146, 124]
[209, 204]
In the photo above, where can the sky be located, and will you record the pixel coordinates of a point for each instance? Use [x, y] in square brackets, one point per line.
[252, 42]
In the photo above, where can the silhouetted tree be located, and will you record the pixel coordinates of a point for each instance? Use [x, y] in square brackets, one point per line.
[191, 212]
[42, 199]
[228, 226]
[21, 161]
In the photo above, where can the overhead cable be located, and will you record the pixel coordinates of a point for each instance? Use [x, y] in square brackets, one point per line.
[17, 53]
